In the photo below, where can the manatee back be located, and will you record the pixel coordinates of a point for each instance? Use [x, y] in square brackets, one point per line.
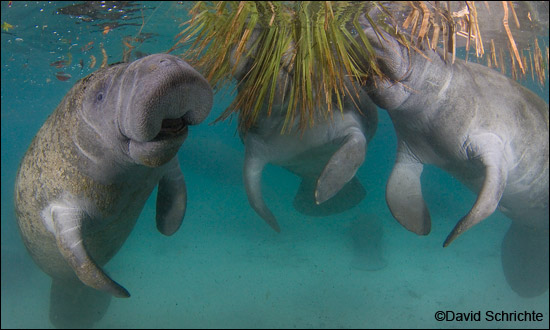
[39, 181]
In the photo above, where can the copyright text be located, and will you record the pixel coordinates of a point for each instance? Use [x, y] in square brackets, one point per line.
[491, 316]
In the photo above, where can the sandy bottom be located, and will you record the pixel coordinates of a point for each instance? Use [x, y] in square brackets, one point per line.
[226, 268]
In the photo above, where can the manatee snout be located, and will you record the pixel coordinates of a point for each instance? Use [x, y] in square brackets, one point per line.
[167, 96]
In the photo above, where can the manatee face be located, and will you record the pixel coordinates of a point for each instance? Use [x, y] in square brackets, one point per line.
[242, 67]
[394, 61]
[142, 109]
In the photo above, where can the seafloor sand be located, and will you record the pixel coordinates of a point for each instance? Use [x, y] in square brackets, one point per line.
[227, 268]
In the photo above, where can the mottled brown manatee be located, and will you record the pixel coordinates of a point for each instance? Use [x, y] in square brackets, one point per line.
[484, 129]
[326, 155]
[90, 169]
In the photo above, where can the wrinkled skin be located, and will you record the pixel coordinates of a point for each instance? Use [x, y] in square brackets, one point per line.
[484, 129]
[90, 169]
[325, 156]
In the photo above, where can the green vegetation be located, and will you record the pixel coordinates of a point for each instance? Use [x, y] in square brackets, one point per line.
[320, 42]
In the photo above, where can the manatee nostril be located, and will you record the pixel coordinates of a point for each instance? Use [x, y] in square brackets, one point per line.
[165, 62]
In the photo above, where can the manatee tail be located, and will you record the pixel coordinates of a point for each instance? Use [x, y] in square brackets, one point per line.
[525, 260]
[74, 305]
[348, 197]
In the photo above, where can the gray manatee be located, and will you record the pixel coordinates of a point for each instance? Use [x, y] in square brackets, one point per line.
[329, 154]
[326, 156]
[92, 166]
[484, 129]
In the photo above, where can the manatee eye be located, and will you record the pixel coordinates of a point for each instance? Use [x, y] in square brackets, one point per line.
[100, 96]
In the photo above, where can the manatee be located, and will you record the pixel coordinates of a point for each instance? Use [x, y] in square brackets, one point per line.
[481, 127]
[326, 155]
[329, 154]
[348, 197]
[92, 166]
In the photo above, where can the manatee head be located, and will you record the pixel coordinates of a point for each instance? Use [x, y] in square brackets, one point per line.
[394, 61]
[139, 112]
[243, 65]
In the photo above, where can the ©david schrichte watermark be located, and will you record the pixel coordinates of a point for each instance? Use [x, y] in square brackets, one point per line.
[489, 315]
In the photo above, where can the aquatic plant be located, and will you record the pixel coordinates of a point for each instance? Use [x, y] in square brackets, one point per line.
[322, 43]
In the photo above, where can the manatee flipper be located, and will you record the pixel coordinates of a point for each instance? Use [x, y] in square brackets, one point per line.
[525, 260]
[74, 305]
[367, 233]
[171, 199]
[348, 197]
[493, 184]
[252, 173]
[67, 223]
[342, 166]
[404, 193]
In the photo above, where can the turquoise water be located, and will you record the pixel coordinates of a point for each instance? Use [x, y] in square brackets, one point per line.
[225, 267]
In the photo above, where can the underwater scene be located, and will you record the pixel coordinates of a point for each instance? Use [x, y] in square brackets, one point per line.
[336, 165]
